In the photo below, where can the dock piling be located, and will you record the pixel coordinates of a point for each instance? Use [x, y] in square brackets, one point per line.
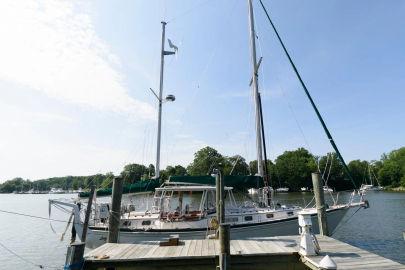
[75, 251]
[115, 213]
[224, 229]
[320, 204]
[74, 256]
[88, 212]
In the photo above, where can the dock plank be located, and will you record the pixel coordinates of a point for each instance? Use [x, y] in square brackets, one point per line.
[261, 250]
[185, 249]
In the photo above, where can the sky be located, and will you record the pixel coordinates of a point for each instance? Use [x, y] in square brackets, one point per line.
[75, 79]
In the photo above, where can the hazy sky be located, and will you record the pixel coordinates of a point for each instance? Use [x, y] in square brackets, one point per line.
[74, 80]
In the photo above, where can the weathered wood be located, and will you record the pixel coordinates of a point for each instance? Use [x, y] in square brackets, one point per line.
[88, 212]
[320, 204]
[115, 213]
[217, 197]
[173, 240]
[74, 256]
[224, 229]
[263, 253]
[224, 238]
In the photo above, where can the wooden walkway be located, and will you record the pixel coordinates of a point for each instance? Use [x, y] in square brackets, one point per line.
[261, 253]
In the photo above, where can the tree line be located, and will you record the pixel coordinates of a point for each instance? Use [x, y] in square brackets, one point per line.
[291, 169]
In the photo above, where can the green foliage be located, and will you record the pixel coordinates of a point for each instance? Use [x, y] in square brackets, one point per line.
[291, 169]
[205, 160]
[236, 165]
[133, 173]
[177, 170]
[359, 171]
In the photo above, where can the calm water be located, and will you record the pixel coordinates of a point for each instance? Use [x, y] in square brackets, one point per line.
[377, 229]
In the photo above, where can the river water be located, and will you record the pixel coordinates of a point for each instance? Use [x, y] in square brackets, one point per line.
[33, 242]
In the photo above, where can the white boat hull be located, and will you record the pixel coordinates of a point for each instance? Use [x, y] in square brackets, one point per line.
[97, 237]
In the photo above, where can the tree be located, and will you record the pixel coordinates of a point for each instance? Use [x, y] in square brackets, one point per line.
[151, 171]
[392, 171]
[331, 166]
[205, 160]
[359, 171]
[236, 165]
[293, 169]
[108, 180]
[133, 173]
[177, 170]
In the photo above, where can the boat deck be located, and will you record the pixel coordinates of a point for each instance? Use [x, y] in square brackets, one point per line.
[265, 253]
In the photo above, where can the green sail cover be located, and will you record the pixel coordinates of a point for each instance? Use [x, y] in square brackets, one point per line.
[241, 182]
[140, 186]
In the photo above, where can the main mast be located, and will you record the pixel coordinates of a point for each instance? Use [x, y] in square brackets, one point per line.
[159, 97]
[259, 148]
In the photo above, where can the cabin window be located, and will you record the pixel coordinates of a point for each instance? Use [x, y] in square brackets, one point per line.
[126, 223]
[270, 215]
[290, 213]
[248, 218]
[231, 219]
[146, 222]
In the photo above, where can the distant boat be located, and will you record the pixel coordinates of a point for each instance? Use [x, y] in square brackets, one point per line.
[327, 189]
[304, 189]
[252, 191]
[56, 191]
[371, 187]
[282, 189]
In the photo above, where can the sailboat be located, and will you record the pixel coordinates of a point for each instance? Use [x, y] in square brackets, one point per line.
[188, 209]
[371, 186]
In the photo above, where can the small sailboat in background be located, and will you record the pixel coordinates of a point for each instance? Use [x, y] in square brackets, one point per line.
[371, 186]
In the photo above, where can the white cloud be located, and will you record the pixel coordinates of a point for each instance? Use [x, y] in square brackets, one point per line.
[53, 48]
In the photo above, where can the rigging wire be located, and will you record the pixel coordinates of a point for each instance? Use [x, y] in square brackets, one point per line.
[32, 216]
[310, 98]
[188, 11]
[196, 84]
[341, 224]
[326, 167]
[41, 266]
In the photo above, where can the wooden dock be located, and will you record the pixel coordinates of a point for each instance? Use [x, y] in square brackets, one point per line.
[260, 253]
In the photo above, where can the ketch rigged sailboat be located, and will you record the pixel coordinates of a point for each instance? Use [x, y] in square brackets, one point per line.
[188, 210]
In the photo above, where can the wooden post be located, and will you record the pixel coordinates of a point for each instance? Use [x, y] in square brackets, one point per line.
[224, 229]
[74, 256]
[320, 204]
[217, 196]
[75, 252]
[224, 243]
[115, 213]
[88, 212]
